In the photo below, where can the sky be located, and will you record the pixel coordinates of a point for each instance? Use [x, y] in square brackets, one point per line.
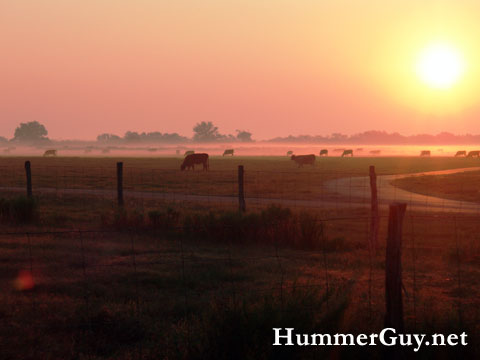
[272, 67]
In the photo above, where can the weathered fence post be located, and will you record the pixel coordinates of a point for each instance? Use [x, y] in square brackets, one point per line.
[28, 172]
[241, 192]
[374, 217]
[393, 269]
[120, 183]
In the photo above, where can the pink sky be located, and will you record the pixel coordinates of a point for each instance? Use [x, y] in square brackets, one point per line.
[273, 67]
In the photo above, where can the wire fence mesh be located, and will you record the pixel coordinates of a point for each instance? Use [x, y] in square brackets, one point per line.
[94, 284]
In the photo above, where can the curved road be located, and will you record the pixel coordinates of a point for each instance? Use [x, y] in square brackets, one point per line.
[388, 193]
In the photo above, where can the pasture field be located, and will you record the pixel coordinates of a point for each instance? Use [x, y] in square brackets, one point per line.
[265, 177]
[85, 279]
[152, 293]
[461, 186]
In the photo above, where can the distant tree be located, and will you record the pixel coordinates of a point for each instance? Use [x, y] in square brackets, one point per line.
[206, 131]
[132, 136]
[107, 137]
[244, 136]
[338, 137]
[30, 131]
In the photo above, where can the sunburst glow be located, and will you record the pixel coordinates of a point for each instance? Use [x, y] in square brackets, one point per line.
[440, 66]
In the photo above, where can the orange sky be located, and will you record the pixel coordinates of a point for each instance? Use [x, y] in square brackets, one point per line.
[274, 67]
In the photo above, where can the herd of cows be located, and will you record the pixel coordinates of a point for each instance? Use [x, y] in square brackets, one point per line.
[192, 158]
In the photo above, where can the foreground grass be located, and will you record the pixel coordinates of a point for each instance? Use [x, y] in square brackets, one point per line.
[156, 292]
[460, 186]
[150, 291]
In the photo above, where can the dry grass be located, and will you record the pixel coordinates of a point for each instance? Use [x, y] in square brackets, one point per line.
[154, 292]
[460, 186]
[271, 177]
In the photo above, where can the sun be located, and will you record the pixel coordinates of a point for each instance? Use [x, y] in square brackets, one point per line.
[440, 66]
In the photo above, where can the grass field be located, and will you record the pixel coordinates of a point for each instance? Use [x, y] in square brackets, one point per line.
[200, 280]
[461, 186]
[276, 177]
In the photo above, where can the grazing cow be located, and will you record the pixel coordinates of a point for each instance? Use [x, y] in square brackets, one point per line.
[195, 159]
[189, 152]
[425, 153]
[461, 153]
[303, 159]
[50, 153]
[473, 153]
[289, 153]
[347, 152]
[324, 152]
[228, 152]
[375, 152]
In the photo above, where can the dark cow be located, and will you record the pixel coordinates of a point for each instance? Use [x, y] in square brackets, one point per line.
[189, 152]
[228, 152]
[50, 153]
[347, 152]
[303, 159]
[473, 153]
[324, 152]
[195, 159]
[289, 153]
[461, 153]
[425, 153]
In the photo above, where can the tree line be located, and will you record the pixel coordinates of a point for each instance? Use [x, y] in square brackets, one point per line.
[35, 132]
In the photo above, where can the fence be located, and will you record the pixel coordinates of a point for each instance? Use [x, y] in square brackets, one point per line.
[115, 292]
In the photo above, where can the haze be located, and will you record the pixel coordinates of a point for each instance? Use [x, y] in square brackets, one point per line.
[272, 67]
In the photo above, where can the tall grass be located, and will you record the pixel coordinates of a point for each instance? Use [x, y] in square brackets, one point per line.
[20, 209]
[274, 225]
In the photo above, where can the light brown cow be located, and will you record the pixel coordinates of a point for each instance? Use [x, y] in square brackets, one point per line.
[461, 153]
[425, 153]
[473, 153]
[347, 152]
[324, 152]
[195, 159]
[50, 153]
[303, 159]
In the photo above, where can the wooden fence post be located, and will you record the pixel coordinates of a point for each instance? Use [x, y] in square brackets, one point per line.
[374, 217]
[120, 183]
[241, 192]
[393, 269]
[28, 172]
